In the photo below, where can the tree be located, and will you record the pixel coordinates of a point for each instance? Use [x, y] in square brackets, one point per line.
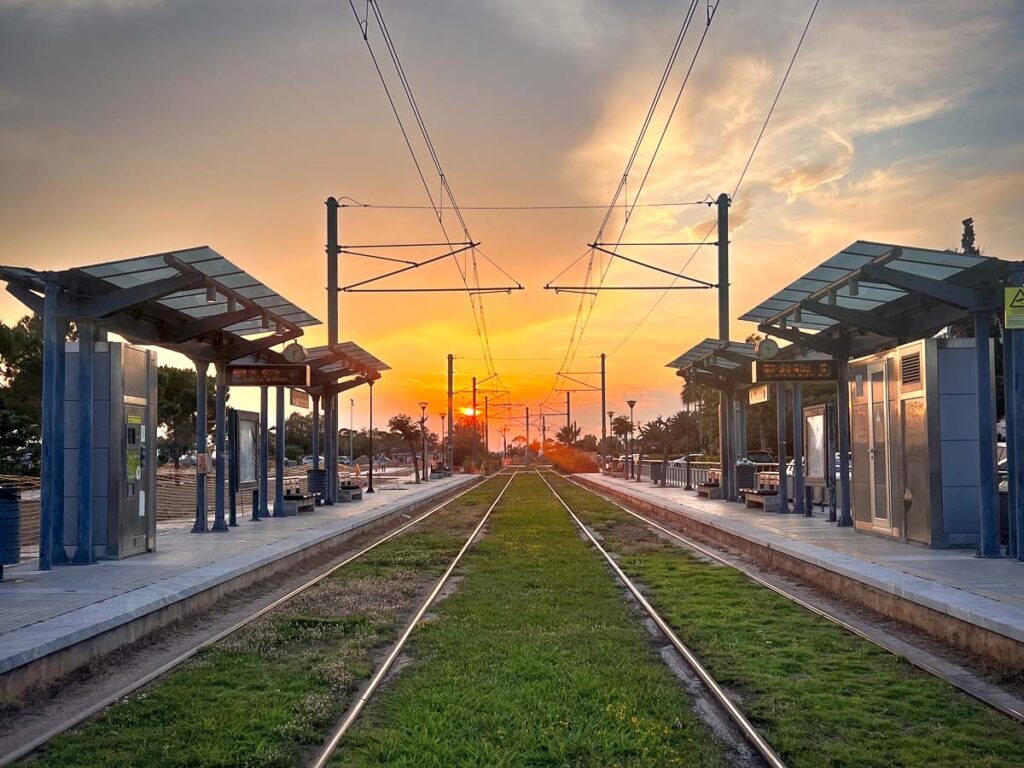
[588, 443]
[967, 244]
[568, 434]
[620, 428]
[298, 434]
[176, 410]
[409, 431]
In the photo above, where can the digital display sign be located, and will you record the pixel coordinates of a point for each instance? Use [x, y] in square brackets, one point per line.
[795, 370]
[266, 375]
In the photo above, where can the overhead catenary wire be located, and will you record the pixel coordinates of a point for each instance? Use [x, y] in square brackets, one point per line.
[739, 181]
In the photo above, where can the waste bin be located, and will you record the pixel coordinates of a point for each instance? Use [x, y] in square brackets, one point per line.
[657, 471]
[746, 474]
[10, 526]
[316, 483]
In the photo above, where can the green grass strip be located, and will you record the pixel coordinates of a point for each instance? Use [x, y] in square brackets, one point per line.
[537, 659]
[267, 695]
[821, 695]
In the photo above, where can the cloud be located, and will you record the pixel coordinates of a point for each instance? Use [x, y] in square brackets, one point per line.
[80, 5]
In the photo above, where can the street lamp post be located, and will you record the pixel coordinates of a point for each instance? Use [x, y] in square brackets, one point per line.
[423, 431]
[611, 428]
[351, 428]
[444, 434]
[631, 403]
[369, 485]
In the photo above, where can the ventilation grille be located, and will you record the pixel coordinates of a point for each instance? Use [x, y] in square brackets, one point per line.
[910, 369]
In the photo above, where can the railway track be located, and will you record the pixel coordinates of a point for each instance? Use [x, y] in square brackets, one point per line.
[990, 695]
[749, 732]
[70, 722]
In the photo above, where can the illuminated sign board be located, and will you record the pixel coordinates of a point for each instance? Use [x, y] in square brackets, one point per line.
[794, 370]
[266, 375]
[757, 394]
[299, 398]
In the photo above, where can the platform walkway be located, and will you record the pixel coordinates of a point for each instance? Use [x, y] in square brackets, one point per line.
[43, 612]
[986, 593]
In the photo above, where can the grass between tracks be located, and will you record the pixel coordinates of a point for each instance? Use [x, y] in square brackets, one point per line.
[267, 695]
[821, 695]
[536, 660]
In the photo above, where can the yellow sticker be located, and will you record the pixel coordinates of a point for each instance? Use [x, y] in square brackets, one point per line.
[1013, 308]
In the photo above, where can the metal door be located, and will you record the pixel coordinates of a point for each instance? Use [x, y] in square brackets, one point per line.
[878, 444]
[133, 523]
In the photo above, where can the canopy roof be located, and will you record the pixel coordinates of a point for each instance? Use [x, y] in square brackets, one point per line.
[726, 362]
[871, 295]
[193, 301]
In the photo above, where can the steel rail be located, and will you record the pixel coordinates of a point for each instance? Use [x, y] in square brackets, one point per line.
[324, 754]
[936, 670]
[163, 669]
[739, 719]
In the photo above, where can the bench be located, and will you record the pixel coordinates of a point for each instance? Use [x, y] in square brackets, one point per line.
[765, 498]
[298, 502]
[709, 491]
[350, 492]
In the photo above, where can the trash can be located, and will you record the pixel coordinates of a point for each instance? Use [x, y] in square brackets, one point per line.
[10, 526]
[746, 474]
[316, 483]
[657, 471]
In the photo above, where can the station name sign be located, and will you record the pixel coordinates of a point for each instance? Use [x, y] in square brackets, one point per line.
[795, 370]
[266, 375]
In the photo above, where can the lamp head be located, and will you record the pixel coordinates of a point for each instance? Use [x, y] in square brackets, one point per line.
[631, 403]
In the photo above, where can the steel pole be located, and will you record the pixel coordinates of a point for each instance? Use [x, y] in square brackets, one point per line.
[476, 426]
[265, 453]
[86, 353]
[333, 255]
[450, 454]
[780, 423]
[279, 457]
[201, 437]
[487, 428]
[526, 457]
[219, 523]
[725, 419]
[604, 414]
[843, 428]
[799, 500]
[988, 509]
[369, 482]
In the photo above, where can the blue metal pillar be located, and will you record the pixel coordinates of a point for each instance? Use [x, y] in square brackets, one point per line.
[201, 437]
[780, 423]
[1015, 463]
[316, 432]
[988, 503]
[232, 472]
[264, 453]
[1013, 410]
[52, 495]
[59, 555]
[328, 447]
[279, 458]
[219, 523]
[369, 484]
[800, 505]
[86, 350]
[843, 423]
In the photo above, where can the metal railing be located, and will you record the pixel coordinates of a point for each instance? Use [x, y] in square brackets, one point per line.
[700, 471]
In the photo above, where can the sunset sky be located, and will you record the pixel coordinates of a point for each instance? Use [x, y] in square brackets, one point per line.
[129, 127]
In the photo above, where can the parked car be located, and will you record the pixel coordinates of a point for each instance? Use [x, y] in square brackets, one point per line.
[681, 461]
[307, 461]
[761, 457]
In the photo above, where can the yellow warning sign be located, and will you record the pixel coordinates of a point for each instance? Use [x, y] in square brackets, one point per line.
[1013, 307]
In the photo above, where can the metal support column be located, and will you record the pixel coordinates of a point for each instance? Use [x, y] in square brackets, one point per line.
[328, 489]
[200, 525]
[316, 431]
[799, 494]
[264, 453]
[331, 400]
[450, 454]
[279, 456]
[526, 455]
[604, 416]
[232, 476]
[726, 450]
[369, 482]
[487, 427]
[86, 354]
[843, 436]
[476, 426]
[1015, 435]
[219, 523]
[988, 507]
[568, 411]
[780, 422]
[52, 494]
[1013, 409]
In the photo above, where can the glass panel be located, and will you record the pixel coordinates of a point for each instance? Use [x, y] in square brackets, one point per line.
[879, 446]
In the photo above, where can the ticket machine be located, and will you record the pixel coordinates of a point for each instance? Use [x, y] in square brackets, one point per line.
[123, 453]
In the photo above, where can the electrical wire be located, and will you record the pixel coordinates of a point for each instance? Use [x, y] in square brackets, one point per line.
[739, 181]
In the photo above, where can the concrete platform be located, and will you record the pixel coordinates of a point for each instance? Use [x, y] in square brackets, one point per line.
[974, 603]
[52, 622]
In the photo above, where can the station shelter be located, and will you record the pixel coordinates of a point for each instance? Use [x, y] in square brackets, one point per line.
[915, 418]
[100, 397]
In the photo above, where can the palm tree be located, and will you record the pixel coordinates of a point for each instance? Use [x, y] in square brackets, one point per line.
[568, 435]
[620, 427]
[407, 429]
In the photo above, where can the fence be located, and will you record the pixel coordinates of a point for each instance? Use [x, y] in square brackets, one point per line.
[176, 496]
[700, 471]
